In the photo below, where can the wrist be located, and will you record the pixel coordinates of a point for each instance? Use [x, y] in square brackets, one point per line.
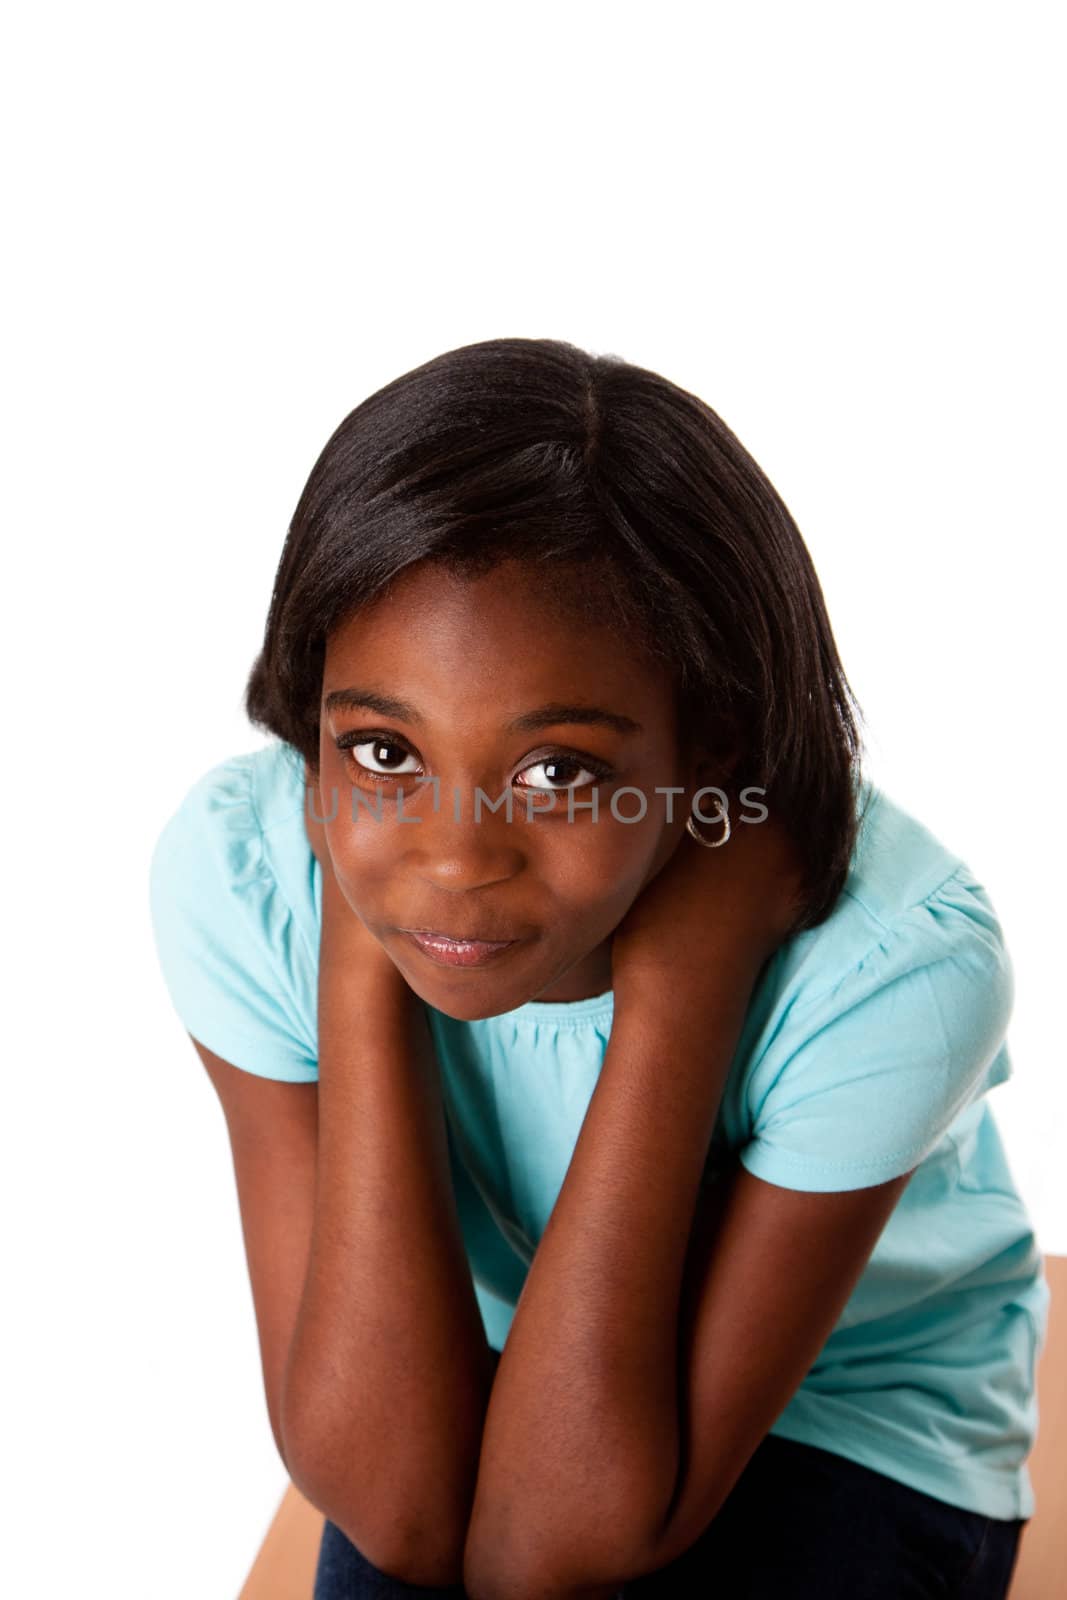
[362, 995]
[373, 1033]
[686, 996]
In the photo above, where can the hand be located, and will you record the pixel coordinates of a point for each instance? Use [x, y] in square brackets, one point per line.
[735, 904]
[347, 948]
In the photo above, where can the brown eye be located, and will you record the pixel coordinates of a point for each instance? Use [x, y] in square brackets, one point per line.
[561, 772]
[383, 757]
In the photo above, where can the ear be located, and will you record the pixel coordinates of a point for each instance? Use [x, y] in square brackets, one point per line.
[716, 767]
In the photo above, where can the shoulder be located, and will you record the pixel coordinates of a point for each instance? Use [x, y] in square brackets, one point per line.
[214, 821]
[240, 821]
[879, 1026]
[232, 896]
[239, 799]
[909, 901]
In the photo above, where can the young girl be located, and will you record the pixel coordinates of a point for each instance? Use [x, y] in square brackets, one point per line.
[605, 1059]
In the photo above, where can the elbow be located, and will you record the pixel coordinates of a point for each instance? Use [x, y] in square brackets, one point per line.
[501, 1559]
[576, 1564]
[495, 1583]
[519, 1558]
[407, 1530]
[404, 1536]
[490, 1581]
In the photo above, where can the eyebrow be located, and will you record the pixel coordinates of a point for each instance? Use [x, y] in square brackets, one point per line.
[546, 716]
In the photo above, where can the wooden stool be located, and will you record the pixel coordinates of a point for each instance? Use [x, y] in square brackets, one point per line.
[284, 1569]
[1039, 1571]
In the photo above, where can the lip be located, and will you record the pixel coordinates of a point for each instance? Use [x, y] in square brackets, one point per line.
[446, 951]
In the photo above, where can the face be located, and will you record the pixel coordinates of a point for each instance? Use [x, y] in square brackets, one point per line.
[482, 684]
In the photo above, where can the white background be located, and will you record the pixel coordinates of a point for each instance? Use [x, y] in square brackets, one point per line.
[839, 224]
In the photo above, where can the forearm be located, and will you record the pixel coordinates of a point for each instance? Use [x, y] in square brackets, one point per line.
[580, 1454]
[389, 1370]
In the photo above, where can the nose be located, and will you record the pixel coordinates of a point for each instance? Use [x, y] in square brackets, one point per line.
[464, 852]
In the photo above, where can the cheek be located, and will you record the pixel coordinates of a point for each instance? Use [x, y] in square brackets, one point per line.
[364, 841]
[598, 868]
[361, 862]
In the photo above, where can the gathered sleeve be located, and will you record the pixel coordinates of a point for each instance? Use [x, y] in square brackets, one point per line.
[224, 933]
[863, 1080]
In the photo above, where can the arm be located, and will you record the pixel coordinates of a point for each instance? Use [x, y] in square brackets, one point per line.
[581, 1442]
[272, 1129]
[654, 1344]
[389, 1371]
[273, 1136]
[635, 1384]
[769, 1273]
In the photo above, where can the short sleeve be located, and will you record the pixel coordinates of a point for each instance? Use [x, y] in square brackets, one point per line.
[866, 1078]
[224, 932]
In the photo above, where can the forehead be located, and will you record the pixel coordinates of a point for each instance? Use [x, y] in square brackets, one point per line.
[502, 641]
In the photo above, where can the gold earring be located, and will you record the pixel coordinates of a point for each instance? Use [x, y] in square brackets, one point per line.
[709, 844]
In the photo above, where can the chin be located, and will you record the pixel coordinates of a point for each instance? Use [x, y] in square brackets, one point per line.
[467, 1002]
[471, 1013]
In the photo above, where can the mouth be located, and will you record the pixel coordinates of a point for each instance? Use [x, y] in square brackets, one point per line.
[444, 950]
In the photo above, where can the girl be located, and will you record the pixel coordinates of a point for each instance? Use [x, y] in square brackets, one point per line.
[605, 1059]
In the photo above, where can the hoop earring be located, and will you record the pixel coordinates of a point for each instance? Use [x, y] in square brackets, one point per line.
[709, 844]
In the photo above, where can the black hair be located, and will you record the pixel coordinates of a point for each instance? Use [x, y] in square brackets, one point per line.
[636, 501]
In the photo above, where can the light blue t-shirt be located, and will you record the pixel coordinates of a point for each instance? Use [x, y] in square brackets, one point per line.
[869, 1048]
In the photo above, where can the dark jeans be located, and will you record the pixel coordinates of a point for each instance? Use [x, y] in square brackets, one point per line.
[800, 1523]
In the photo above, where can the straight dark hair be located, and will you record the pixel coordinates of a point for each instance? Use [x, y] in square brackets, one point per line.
[636, 502]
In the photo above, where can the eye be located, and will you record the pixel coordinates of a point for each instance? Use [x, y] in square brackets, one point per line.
[560, 770]
[380, 756]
